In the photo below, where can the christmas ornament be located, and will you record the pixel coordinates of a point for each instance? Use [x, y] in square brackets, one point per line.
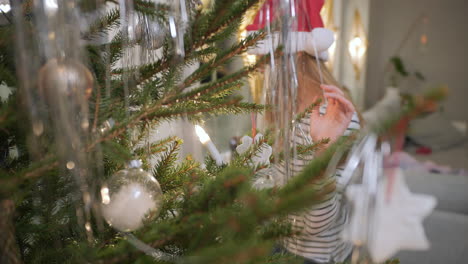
[178, 22]
[65, 77]
[262, 157]
[397, 223]
[380, 223]
[264, 178]
[131, 197]
[66, 85]
[149, 33]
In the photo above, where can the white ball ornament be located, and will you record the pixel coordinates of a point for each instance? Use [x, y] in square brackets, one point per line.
[130, 198]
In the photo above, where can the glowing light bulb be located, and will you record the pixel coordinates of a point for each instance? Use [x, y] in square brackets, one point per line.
[51, 4]
[356, 48]
[5, 8]
[202, 135]
[105, 195]
[206, 141]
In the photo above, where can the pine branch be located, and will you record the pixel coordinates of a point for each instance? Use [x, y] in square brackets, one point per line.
[221, 59]
[156, 147]
[167, 160]
[103, 25]
[217, 20]
[157, 11]
[310, 149]
[226, 80]
[308, 110]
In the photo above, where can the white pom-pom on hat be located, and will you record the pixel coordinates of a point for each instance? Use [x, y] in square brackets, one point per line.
[308, 32]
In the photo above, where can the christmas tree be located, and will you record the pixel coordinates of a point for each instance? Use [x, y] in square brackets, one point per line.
[73, 146]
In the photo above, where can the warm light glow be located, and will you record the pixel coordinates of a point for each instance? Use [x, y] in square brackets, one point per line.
[206, 5]
[357, 48]
[357, 45]
[202, 135]
[50, 7]
[52, 4]
[5, 8]
[70, 165]
[105, 195]
[251, 59]
[248, 58]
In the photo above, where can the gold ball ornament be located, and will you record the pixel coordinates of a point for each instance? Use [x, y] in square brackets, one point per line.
[65, 86]
[65, 77]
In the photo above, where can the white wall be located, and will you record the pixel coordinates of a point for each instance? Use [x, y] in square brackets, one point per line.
[446, 59]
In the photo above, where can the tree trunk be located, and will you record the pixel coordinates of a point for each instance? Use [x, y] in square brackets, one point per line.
[9, 252]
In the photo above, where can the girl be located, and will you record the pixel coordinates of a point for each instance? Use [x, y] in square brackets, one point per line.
[320, 226]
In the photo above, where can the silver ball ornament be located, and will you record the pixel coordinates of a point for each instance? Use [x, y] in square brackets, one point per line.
[130, 198]
[149, 33]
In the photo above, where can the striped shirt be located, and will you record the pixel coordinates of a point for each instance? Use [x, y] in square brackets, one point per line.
[319, 226]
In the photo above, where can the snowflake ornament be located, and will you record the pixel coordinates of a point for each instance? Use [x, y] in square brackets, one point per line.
[394, 224]
[262, 156]
[264, 178]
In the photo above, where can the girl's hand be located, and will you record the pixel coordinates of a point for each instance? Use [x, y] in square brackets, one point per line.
[336, 120]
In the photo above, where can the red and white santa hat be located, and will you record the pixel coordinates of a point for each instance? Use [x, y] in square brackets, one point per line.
[309, 29]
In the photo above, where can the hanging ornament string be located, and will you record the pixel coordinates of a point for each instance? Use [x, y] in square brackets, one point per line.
[178, 20]
[63, 86]
[317, 60]
[127, 21]
[293, 82]
[360, 229]
[270, 37]
[253, 117]
[25, 68]
[366, 144]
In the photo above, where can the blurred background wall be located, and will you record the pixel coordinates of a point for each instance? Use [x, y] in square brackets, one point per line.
[444, 60]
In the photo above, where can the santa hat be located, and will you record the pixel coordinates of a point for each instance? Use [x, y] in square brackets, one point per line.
[309, 30]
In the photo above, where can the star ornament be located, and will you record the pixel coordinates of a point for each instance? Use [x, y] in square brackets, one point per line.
[394, 224]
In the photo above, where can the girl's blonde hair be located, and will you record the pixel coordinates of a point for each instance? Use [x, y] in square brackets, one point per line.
[308, 74]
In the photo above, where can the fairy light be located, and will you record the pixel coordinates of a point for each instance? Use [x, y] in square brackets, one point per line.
[52, 4]
[105, 195]
[206, 141]
[356, 48]
[70, 165]
[202, 135]
[357, 45]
